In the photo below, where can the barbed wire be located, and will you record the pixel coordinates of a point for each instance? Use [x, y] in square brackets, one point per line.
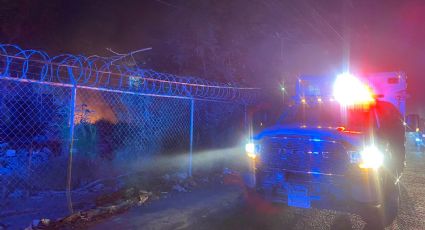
[102, 73]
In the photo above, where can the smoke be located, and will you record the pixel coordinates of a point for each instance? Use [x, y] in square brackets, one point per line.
[202, 161]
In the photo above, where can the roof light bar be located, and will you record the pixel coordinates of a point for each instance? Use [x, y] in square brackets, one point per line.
[349, 90]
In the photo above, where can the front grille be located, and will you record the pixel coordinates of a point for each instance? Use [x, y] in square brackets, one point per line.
[304, 154]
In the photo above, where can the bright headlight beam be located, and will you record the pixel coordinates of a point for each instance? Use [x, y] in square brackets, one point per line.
[349, 90]
[250, 150]
[371, 157]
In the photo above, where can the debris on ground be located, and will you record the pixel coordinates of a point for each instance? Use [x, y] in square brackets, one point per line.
[179, 188]
[227, 171]
[181, 175]
[3, 226]
[166, 177]
[116, 195]
[118, 202]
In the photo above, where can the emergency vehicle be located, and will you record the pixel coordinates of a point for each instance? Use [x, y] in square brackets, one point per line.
[339, 146]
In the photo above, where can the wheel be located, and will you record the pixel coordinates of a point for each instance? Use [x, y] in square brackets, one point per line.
[384, 215]
[391, 203]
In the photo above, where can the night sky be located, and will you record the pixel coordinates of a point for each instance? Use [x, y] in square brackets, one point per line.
[255, 43]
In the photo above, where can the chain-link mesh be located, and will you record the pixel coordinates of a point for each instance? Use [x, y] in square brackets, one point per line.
[108, 130]
[109, 126]
[219, 130]
[34, 124]
[111, 129]
[217, 124]
[116, 131]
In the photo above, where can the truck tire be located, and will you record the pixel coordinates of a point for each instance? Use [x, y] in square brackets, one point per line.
[391, 203]
[383, 216]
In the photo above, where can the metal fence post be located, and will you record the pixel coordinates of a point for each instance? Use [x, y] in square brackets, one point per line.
[192, 108]
[71, 146]
[245, 122]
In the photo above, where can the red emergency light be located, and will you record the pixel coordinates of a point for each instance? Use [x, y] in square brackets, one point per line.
[348, 90]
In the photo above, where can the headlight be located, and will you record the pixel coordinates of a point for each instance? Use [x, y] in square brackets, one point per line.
[371, 157]
[251, 150]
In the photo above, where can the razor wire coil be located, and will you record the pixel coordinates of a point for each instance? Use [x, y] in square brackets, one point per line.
[100, 72]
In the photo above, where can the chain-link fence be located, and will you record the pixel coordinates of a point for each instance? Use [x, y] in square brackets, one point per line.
[110, 131]
[34, 123]
[101, 124]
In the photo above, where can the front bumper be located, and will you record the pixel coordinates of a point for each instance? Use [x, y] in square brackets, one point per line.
[322, 190]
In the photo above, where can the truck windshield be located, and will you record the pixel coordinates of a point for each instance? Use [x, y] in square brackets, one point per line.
[329, 114]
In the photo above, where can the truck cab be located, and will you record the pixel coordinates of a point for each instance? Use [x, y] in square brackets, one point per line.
[339, 146]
